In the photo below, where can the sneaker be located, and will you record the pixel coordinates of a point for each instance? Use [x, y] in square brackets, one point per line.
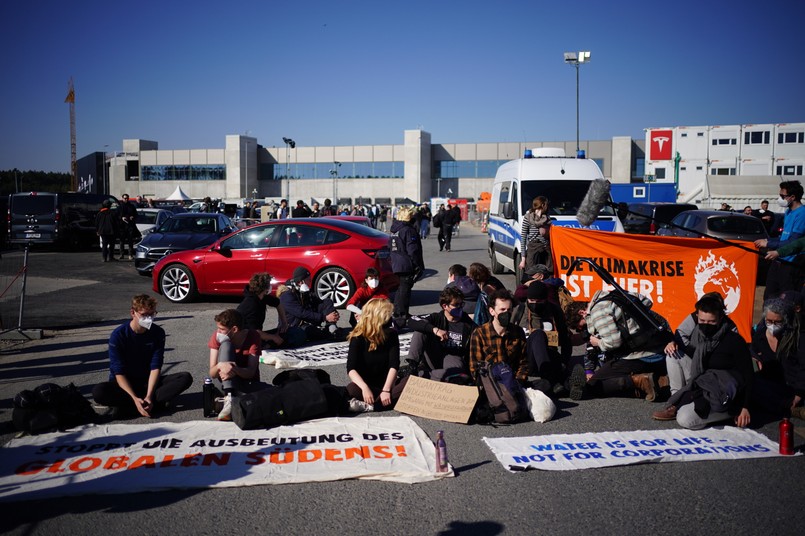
[359, 406]
[798, 412]
[106, 412]
[226, 411]
[578, 381]
[667, 414]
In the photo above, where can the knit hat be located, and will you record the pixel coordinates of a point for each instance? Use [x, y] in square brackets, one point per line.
[537, 269]
[537, 291]
[299, 274]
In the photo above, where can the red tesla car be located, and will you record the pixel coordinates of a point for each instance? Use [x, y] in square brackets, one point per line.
[336, 252]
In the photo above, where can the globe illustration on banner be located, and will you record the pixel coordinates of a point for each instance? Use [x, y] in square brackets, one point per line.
[714, 274]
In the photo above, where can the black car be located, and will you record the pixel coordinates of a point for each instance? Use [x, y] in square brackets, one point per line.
[189, 230]
[647, 218]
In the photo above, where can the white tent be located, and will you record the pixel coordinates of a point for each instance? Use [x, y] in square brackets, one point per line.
[178, 195]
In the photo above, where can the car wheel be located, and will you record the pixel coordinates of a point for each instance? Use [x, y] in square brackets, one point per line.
[518, 272]
[336, 284]
[497, 268]
[176, 283]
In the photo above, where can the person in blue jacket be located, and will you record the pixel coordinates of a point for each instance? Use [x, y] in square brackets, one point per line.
[406, 261]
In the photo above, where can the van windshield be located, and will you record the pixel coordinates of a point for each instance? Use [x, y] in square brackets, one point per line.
[564, 197]
[33, 205]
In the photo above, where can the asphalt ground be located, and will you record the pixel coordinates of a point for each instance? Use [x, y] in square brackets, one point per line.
[78, 301]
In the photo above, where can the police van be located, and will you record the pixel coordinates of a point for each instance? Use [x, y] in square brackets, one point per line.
[548, 172]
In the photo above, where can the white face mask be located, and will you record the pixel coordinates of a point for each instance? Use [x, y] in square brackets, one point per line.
[373, 283]
[775, 329]
[782, 202]
[221, 337]
[304, 288]
[145, 321]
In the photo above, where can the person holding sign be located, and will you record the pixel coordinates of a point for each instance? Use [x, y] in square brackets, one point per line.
[373, 359]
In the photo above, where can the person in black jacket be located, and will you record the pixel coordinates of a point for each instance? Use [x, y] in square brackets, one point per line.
[106, 225]
[306, 312]
[128, 227]
[256, 297]
[549, 333]
[450, 219]
[442, 339]
[406, 261]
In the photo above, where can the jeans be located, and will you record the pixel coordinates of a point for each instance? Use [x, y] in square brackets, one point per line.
[686, 417]
[678, 371]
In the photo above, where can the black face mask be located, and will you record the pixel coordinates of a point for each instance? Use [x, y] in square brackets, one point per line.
[708, 330]
[541, 309]
[504, 318]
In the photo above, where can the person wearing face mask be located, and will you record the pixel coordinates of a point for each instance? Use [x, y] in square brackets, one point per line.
[234, 358]
[778, 353]
[136, 385]
[500, 340]
[306, 312]
[441, 340]
[720, 383]
[788, 275]
[457, 278]
[370, 288]
[256, 297]
[548, 334]
[679, 354]
[635, 356]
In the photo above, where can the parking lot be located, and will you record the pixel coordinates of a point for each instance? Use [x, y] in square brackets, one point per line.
[78, 300]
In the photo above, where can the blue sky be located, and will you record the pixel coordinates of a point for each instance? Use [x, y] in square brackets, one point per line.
[186, 73]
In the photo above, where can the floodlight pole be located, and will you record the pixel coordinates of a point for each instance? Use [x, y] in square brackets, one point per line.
[576, 59]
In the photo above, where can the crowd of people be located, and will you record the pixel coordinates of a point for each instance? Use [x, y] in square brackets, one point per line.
[702, 371]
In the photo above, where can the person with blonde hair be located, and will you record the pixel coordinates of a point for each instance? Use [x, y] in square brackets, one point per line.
[373, 359]
[406, 261]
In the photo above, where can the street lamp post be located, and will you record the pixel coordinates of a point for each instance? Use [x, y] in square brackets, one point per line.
[576, 59]
[289, 144]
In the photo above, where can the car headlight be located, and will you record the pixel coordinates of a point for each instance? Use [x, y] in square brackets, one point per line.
[142, 249]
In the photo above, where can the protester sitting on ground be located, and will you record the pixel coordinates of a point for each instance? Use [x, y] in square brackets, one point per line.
[256, 297]
[778, 352]
[634, 350]
[678, 355]
[484, 278]
[373, 359]
[370, 288]
[499, 340]
[440, 344]
[306, 312]
[548, 333]
[557, 293]
[136, 353]
[720, 376]
[457, 278]
[234, 358]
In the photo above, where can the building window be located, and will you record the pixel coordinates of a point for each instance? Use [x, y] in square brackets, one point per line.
[700, 134]
[722, 171]
[725, 141]
[348, 170]
[474, 169]
[208, 172]
[639, 192]
[683, 168]
[789, 170]
[659, 173]
[699, 168]
[760, 137]
[639, 168]
[684, 134]
[790, 137]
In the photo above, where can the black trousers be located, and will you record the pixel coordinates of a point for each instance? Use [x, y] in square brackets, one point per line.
[543, 360]
[614, 378]
[447, 230]
[402, 299]
[168, 387]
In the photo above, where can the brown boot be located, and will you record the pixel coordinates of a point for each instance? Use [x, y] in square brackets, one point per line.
[663, 381]
[667, 414]
[644, 384]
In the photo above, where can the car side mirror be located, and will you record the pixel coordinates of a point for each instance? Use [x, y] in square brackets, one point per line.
[226, 251]
[508, 211]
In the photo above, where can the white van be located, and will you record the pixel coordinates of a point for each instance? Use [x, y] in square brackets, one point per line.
[547, 172]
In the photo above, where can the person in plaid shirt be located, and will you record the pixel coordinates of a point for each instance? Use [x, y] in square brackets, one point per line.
[500, 340]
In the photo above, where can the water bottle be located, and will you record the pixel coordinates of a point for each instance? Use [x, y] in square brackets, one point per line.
[786, 437]
[441, 453]
[209, 398]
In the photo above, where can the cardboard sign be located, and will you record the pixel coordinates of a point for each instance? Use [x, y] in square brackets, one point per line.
[437, 400]
[553, 338]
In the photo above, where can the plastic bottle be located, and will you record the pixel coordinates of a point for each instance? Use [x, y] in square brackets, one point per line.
[786, 437]
[209, 398]
[441, 453]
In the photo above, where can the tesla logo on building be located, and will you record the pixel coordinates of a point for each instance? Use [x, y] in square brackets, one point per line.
[661, 146]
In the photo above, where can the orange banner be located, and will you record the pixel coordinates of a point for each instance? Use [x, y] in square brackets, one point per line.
[673, 272]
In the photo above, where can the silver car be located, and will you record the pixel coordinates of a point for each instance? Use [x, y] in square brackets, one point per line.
[715, 223]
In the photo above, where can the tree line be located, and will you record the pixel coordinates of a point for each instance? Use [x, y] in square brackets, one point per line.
[16, 180]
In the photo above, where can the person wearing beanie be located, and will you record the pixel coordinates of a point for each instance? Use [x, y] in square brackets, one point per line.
[309, 317]
[548, 348]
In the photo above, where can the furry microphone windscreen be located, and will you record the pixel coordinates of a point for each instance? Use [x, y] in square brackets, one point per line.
[597, 198]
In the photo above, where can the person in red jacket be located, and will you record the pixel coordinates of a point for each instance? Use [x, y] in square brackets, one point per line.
[370, 288]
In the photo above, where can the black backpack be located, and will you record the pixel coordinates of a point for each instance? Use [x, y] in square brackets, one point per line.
[51, 407]
[502, 399]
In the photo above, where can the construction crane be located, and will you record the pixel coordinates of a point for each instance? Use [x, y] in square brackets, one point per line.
[71, 99]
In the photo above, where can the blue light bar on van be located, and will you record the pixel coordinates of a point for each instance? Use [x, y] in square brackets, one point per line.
[581, 154]
[528, 154]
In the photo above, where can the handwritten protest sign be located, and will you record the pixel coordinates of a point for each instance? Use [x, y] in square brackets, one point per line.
[437, 400]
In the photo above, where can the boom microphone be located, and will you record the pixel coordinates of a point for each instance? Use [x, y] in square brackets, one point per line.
[597, 197]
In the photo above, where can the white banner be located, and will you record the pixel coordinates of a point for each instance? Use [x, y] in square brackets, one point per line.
[124, 458]
[564, 452]
[320, 355]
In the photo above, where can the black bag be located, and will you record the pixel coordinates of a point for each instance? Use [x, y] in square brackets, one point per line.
[505, 401]
[276, 406]
[51, 407]
[437, 220]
